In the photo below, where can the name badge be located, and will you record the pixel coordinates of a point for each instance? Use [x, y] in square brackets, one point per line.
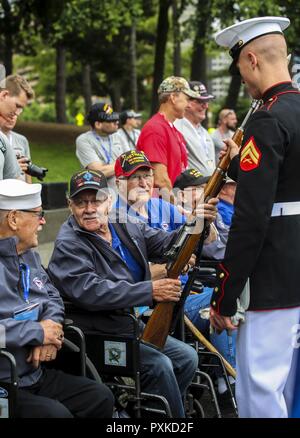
[29, 312]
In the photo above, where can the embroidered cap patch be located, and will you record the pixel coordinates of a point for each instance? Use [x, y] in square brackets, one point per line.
[250, 156]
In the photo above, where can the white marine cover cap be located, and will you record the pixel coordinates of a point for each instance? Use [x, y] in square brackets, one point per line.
[19, 195]
[235, 37]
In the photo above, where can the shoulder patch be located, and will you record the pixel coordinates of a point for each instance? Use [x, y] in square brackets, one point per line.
[250, 156]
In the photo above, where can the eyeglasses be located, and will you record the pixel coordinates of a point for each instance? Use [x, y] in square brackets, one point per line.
[40, 214]
[135, 178]
[83, 203]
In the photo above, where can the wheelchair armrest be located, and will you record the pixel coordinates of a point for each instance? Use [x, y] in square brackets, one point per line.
[12, 362]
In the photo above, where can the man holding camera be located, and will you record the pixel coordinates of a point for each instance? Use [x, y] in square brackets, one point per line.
[17, 92]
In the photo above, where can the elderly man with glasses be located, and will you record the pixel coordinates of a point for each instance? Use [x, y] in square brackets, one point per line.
[200, 147]
[101, 264]
[31, 315]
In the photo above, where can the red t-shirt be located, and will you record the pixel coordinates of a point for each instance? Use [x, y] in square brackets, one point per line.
[163, 143]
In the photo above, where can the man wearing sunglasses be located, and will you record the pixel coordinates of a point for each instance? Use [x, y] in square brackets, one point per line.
[31, 316]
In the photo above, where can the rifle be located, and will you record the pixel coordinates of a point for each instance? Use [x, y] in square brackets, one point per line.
[159, 323]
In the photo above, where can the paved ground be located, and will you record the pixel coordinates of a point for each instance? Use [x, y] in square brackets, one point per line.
[45, 251]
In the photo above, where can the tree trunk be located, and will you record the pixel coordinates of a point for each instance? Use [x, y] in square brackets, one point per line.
[8, 40]
[133, 75]
[176, 40]
[203, 18]
[60, 86]
[115, 95]
[8, 54]
[233, 92]
[87, 87]
[160, 49]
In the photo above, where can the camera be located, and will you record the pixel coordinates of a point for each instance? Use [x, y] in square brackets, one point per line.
[34, 170]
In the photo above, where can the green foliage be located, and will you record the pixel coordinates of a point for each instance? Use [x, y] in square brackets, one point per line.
[60, 160]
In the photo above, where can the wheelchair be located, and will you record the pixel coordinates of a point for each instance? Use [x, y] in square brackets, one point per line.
[209, 361]
[72, 359]
[117, 359]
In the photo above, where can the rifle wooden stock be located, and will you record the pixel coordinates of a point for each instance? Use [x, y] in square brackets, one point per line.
[158, 325]
[198, 335]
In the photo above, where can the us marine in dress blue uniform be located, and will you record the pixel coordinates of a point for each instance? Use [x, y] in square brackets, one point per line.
[264, 240]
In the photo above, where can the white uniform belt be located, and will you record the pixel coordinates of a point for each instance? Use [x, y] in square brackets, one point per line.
[285, 208]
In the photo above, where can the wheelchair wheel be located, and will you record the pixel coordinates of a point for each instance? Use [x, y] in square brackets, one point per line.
[193, 408]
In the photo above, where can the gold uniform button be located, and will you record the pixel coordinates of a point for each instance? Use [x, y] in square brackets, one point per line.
[222, 275]
[214, 303]
[216, 289]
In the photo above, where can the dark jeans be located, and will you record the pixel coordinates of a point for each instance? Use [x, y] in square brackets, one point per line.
[169, 372]
[60, 395]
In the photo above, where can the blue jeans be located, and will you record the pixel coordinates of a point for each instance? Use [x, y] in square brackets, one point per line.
[223, 343]
[168, 373]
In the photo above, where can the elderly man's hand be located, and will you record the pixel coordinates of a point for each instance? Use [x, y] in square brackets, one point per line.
[220, 322]
[166, 289]
[53, 333]
[42, 353]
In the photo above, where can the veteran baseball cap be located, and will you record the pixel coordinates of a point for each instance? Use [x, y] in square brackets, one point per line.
[128, 114]
[237, 36]
[87, 179]
[190, 177]
[199, 88]
[19, 195]
[176, 84]
[102, 112]
[127, 163]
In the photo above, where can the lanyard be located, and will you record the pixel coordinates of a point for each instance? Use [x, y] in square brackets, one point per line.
[25, 279]
[107, 153]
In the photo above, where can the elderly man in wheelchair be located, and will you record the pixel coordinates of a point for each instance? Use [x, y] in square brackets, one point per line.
[31, 318]
[101, 266]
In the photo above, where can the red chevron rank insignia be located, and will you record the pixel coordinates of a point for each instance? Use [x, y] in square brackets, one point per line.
[250, 156]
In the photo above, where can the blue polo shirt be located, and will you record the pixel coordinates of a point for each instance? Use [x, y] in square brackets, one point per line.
[135, 268]
[161, 214]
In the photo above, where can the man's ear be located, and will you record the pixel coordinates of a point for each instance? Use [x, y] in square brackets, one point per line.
[98, 125]
[69, 204]
[12, 220]
[252, 58]
[3, 94]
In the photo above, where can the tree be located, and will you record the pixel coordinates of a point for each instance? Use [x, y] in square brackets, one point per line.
[160, 49]
[202, 24]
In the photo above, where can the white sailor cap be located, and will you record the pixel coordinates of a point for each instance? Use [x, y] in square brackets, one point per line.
[19, 195]
[235, 37]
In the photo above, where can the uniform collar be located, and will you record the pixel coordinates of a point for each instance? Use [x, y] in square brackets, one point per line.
[281, 87]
